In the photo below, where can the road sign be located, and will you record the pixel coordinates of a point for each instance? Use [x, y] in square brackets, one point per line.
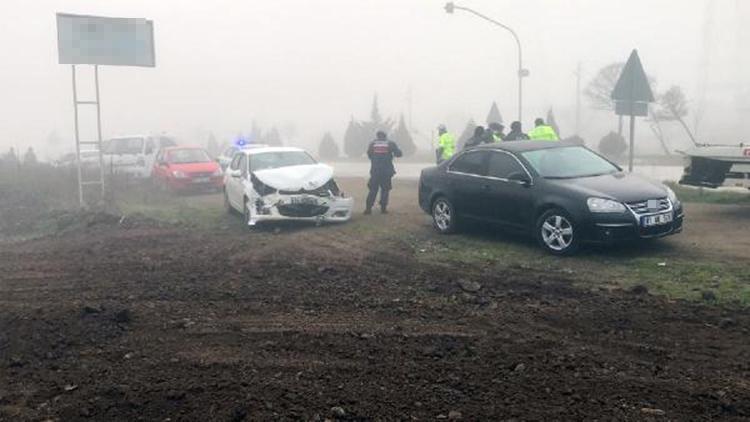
[99, 40]
[632, 94]
[633, 84]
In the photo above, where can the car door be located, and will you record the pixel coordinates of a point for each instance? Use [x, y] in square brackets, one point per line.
[506, 199]
[234, 182]
[464, 181]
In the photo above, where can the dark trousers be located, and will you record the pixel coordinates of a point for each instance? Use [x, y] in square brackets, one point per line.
[377, 182]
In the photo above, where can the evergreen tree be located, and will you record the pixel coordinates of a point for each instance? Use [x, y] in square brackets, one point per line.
[403, 138]
[29, 159]
[494, 115]
[328, 148]
[10, 158]
[375, 118]
[552, 122]
[352, 140]
[256, 133]
[466, 134]
[273, 138]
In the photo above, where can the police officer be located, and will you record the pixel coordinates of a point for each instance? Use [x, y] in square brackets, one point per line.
[446, 145]
[478, 138]
[381, 152]
[516, 133]
[497, 132]
[542, 132]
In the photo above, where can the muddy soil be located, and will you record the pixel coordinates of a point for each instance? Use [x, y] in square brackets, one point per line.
[122, 323]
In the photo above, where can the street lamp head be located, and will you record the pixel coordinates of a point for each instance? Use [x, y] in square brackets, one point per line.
[449, 7]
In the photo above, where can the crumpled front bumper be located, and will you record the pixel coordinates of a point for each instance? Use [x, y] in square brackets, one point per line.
[280, 207]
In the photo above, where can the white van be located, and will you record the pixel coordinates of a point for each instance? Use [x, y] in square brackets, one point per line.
[134, 155]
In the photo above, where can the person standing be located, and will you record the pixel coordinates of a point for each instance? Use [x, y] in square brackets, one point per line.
[516, 133]
[496, 131]
[542, 131]
[478, 138]
[381, 152]
[446, 145]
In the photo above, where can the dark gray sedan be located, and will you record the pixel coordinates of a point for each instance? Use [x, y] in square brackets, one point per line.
[561, 194]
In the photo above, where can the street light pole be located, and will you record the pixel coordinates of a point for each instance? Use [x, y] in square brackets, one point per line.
[522, 73]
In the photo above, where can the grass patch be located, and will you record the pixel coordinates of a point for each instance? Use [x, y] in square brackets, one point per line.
[669, 276]
[709, 196]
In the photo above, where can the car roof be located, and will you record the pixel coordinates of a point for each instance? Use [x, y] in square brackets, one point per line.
[260, 150]
[524, 146]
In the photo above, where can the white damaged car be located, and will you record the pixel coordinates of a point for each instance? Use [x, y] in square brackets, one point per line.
[280, 183]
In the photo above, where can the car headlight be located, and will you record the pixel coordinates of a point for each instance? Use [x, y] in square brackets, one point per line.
[600, 205]
[671, 195]
[179, 174]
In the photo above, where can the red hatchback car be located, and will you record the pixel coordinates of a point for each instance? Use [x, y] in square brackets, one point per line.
[186, 168]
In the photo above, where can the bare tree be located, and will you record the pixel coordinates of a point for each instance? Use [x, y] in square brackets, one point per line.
[599, 90]
[672, 106]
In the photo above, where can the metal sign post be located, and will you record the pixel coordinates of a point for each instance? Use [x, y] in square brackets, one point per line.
[97, 40]
[632, 94]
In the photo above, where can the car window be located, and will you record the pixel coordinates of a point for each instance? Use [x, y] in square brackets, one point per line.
[470, 163]
[568, 163]
[124, 146]
[185, 156]
[236, 162]
[229, 151]
[502, 165]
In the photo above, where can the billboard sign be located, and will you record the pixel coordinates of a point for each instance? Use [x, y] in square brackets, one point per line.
[105, 41]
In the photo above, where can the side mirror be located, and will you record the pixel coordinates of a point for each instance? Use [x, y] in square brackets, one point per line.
[234, 173]
[520, 178]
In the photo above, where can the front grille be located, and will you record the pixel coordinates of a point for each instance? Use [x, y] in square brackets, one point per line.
[301, 210]
[641, 207]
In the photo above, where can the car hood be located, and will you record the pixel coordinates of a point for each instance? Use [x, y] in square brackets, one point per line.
[206, 167]
[307, 177]
[623, 187]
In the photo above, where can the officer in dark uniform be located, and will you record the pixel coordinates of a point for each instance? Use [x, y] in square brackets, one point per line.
[381, 152]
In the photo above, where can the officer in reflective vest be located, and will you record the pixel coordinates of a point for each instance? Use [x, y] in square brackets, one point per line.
[381, 152]
[446, 145]
[542, 132]
[497, 131]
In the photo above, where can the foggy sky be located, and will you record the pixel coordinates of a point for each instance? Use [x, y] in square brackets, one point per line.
[310, 65]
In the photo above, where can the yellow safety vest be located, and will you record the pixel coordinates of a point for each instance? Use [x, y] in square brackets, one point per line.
[448, 144]
[543, 133]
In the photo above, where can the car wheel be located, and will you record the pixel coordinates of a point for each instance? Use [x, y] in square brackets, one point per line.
[444, 217]
[556, 232]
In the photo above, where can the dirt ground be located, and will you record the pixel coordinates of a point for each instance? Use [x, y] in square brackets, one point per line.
[128, 320]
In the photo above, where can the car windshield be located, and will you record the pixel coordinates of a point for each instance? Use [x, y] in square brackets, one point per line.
[184, 156]
[272, 160]
[568, 163]
[124, 146]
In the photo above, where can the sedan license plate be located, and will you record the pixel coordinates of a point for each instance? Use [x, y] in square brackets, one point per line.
[201, 180]
[656, 220]
[305, 200]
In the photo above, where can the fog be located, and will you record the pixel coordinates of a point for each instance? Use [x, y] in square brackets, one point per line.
[307, 67]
